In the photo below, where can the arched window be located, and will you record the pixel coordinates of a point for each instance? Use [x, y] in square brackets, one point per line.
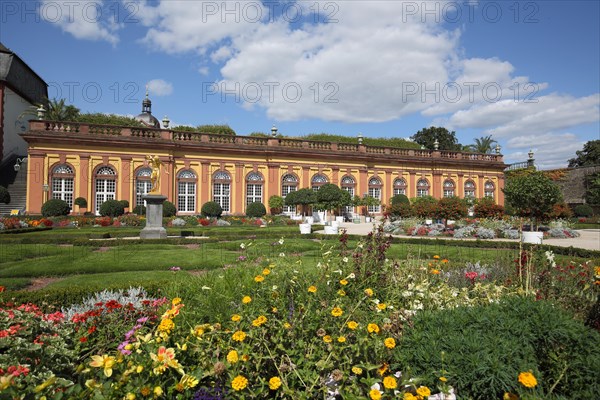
[142, 185]
[222, 190]
[489, 189]
[289, 183]
[399, 186]
[422, 187]
[469, 189]
[449, 188]
[186, 191]
[317, 181]
[349, 185]
[254, 188]
[62, 183]
[105, 186]
[375, 192]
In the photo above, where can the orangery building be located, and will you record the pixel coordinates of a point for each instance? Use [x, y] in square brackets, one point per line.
[100, 162]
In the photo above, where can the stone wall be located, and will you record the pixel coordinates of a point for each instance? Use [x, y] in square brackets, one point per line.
[572, 184]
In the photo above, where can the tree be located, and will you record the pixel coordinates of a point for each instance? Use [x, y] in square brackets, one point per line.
[532, 196]
[276, 204]
[425, 207]
[483, 144]
[303, 198]
[590, 155]
[451, 208]
[446, 139]
[58, 110]
[216, 129]
[592, 194]
[108, 119]
[328, 196]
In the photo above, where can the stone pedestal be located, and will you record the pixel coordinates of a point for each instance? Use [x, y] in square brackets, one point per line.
[154, 215]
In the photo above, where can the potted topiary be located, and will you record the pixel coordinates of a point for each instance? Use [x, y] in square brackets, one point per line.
[81, 203]
[276, 204]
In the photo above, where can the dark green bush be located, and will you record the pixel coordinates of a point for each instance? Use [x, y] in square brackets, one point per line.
[256, 210]
[4, 195]
[211, 209]
[483, 349]
[169, 209]
[81, 202]
[399, 199]
[139, 210]
[125, 203]
[55, 208]
[112, 208]
[583, 210]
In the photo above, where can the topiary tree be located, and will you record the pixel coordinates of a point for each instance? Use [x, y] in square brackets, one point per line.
[125, 203]
[4, 195]
[80, 202]
[276, 204]
[424, 207]
[256, 210]
[451, 208]
[212, 209]
[303, 198]
[55, 208]
[345, 201]
[112, 208]
[328, 196]
[139, 210]
[399, 199]
[400, 210]
[532, 196]
[169, 209]
[583, 210]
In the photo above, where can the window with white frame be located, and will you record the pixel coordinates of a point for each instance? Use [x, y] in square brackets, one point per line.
[489, 189]
[62, 183]
[449, 188]
[254, 188]
[142, 185]
[317, 181]
[105, 186]
[289, 183]
[349, 185]
[222, 190]
[422, 187]
[186, 191]
[470, 189]
[375, 192]
[399, 186]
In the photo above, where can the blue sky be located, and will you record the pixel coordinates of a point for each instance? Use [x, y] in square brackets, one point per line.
[525, 72]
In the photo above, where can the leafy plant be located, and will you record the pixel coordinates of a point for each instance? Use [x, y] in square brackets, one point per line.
[112, 208]
[303, 198]
[80, 202]
[276, 204]
[139, 209]
[256, 210]
[451, 208]
[487, 208]
[4, 195]
[425, 206]
[169, 209]
[399, 199]
[125, 203]
[55, 208]
[583, 210]
[212, 209]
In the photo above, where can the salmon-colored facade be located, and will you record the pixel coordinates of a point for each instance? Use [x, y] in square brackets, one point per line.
[99, 162]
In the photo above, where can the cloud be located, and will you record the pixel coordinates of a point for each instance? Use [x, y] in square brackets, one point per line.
[159, 87]
[551, 150]
[84, 19]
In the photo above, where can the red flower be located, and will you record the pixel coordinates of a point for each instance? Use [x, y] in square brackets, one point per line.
[83, 339]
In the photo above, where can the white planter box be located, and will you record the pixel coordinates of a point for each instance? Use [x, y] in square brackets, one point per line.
[339, 219]
[304, 229]
[367, 219]
[310, 220]
[532, 237]
[331, 230]
[428, 222]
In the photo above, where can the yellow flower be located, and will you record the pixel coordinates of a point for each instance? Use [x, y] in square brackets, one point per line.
[381, 306]
[239, 383]
[341, 292]
[145, 391]
[232, 357]
[139, 369]
[390, 343]
[343, 282]
[389, 382]
[423, 391]
[327, 339]
[188, 381]
[341, 339]
[274, 310]
[287, 325]
[266, 271]
[312, 289]
[176, 301]
[261, 320]
[130, 396]
[245, 357]
[369, 292]
[259, 278]
[527, 379]
[105, 361]
[274, 383]
[436, 257]
[246, 299]
[163, 359]
[239, 336]
[166, 325]
[236, 317]
[375, 394]
[373, 328]
[336, 312]
[158, 391]
[357, 370]
[435, 271]
[409, 396]
[510, 396]
[352, 325]
[443, 379]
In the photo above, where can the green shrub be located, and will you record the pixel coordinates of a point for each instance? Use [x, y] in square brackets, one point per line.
[4, 195]
[399, 199]
[81, 202]
[425, 206]
[112, 208]
[583, 210]
[212, 209]
[400, 210]
[55, 208]
[190, 220]
[139, 210]
[256, 210]
[482, 360]
[125, 203]
[451, 208]
[169, 209]
[275, 204]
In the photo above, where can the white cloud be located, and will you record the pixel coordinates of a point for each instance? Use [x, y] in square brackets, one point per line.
[84, 19]
[551, 150]
[159, 87]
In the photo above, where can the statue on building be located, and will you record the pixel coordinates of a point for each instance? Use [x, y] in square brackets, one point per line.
[155, 164]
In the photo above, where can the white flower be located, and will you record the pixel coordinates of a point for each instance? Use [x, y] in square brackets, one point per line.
[345, 259]
[281, 241]
[242, 246]
[338, 271]
[376, 386]
[274, 287]
[281, 254]
[351, 276]
[206, 288]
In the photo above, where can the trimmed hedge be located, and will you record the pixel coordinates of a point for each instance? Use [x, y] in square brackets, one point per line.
[583, 210]
[112, 208]
[55, 208]
[211, 209]
[169, 209]
[256, 210]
